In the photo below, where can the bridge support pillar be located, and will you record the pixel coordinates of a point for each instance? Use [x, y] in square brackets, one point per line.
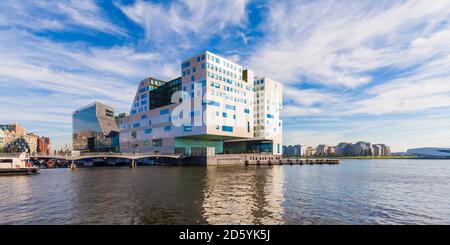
[133, 163]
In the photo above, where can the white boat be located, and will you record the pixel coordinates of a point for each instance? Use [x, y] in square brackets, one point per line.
[16, 164]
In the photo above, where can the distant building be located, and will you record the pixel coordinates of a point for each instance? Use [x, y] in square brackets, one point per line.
[43, 146]
[292, 150]
[343, 149]
[430, 152]
[321, 150]
[119, 117]
[361, 148]
[95, 129]
[380, 150]
[310, 151]
[325, 150]
[15, 139]
[2, 139]
[331, 151]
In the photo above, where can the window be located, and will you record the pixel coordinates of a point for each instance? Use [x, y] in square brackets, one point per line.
[164, 112]
[136, 125]
[144, 116]
[187, 128]
[192, 78]
[198, 59]
[149, 122]
[217, 127]
[230, 107]
[134, 134]
[194, 69]
[167, 128]
[269, 116]
[212, 102]
[157, 142]
[224, 114]
[148, 131]
[227, 129]
[185, 64]
[248, 127]
[203, 66]
[247, 111]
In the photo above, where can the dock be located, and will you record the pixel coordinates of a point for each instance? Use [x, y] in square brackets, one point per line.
[263, 159]
[309, 161]
[18, 171]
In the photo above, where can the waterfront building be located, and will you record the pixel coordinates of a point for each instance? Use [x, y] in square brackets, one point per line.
[95, 129]
[43, 146]
[2, 139]
[430, 152]
[343, 149]
[212, 105]
[17, 140]
[268, 103]
[325, 150]
[321, 150]
[377, 150]
[361, 148]
[293, 150]
[331, 151]
[310, 151]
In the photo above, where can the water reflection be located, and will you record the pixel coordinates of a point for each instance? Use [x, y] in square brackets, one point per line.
[146, 195]
[354, 192]
[243, 195]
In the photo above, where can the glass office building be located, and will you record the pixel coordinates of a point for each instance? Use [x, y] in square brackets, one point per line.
[95, 129]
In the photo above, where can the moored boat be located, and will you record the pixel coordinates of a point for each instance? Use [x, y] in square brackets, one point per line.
[17, 164]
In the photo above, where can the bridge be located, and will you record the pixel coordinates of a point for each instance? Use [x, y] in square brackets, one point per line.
[105, 156]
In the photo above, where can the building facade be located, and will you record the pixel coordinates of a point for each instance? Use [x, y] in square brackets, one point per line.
[268, 103]
[44, 146]
[293, 150]
[2, 139]
[430, 152]
[343, 149]
[15, 139]
[310, 151]
[211, 105]
[95, 129]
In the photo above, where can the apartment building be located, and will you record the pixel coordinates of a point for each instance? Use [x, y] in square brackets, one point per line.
[15, 138]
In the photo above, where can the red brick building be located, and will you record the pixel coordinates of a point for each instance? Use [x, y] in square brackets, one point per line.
[44, 146]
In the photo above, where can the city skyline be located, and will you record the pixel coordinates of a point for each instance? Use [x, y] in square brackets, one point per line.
[352, 71]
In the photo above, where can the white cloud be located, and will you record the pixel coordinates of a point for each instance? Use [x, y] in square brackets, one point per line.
[185, 23]
[56, 15]
[337, 42]
[43, 81]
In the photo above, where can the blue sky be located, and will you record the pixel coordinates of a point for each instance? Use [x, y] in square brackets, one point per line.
[352, 70]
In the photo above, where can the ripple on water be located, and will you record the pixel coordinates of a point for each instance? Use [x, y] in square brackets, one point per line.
[354, 192]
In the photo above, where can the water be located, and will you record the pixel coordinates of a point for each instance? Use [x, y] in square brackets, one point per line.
[354, 192]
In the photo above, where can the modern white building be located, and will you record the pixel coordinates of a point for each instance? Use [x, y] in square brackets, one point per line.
[211, 105]
[430, 152]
